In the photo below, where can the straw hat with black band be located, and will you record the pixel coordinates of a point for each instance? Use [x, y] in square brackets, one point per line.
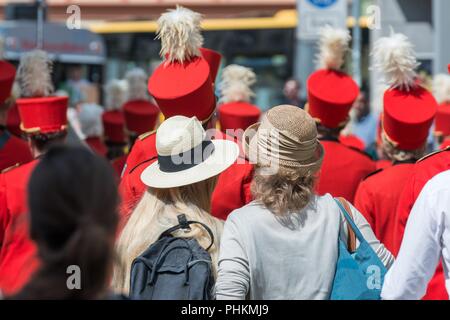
[186, 156]
[286, 137]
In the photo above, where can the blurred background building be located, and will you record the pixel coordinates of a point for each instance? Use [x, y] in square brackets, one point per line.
[117, 35]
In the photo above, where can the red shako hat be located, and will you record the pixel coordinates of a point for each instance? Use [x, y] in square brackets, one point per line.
[331, 92]
[213, 58]
[7, 75]
[114, 126]
[182, 84]
[43, 115]
[140, 116]
[39, 111]
[236, 112]
[409, 109]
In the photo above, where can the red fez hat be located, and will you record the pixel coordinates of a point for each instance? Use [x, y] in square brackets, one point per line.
[213, 58]
[13, 121]
[7, 75]
[140, 116]
[43, 114]
[114, 126]
[238, 115]
[408, 116]
[331, 95]
[442, 125]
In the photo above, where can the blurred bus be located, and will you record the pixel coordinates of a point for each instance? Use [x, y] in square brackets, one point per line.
[265, 44]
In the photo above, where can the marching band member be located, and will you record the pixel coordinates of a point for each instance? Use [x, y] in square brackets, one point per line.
[192, 94]
[331, 94]
[424, 170]
[90, 117]
[408, 114]
[44, 120]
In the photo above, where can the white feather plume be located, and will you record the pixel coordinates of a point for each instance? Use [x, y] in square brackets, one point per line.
[394, 56]
[180, 33]
[441, 88]
[236, 84]
[115, 91]
[90, 117]
[137, 84]
[34, 74]
[333, 45]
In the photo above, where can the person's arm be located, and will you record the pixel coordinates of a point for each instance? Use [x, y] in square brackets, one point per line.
[233, 279]
[420, 250]
[383, 253]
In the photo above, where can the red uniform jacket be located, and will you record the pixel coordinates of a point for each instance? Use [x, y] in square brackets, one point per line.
[423, 171]
[97, 145]
[119, 164]
[342, 170]
[377, 199]
[13, 151]
[17, 251]
[232, 190]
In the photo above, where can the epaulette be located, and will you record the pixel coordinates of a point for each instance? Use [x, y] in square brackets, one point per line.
[11, 168]
[146, 135]
[433, 154]
[373, 173]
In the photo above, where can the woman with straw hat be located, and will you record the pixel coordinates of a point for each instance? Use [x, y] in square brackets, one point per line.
[181, 181]
[283, 245]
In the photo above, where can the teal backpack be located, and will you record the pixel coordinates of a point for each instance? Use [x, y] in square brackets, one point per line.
[360, 274]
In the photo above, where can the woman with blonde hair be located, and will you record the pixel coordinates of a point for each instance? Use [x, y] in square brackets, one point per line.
[180, 182]
[284, 245]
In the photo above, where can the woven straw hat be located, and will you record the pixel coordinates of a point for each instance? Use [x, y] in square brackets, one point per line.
[287, 138]
[186, 156]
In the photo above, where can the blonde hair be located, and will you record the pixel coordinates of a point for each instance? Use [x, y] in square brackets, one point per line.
[289, 190]
[156, 212]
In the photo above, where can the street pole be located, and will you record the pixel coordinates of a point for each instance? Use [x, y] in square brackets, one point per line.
[40, 24]
[356, 49]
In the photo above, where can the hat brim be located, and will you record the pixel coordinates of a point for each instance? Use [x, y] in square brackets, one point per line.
[250, 134]
[224, 155]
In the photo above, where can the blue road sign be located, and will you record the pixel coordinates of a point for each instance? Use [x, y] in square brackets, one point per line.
[322, 3]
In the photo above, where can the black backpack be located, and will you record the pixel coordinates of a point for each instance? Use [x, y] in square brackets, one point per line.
[173, 268]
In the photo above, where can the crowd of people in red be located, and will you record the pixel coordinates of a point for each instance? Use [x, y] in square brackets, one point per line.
[60, 205]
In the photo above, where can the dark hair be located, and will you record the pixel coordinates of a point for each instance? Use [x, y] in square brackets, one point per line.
[72, 197]
[44, 141]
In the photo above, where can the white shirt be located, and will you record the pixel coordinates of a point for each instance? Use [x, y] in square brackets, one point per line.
[426, 240]
[264, 256]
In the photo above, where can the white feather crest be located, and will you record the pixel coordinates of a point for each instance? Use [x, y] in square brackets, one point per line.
[236, 83]
[116, 91]
[180, 33]
[137, 84]
[34, 74]
[333, 45]
[441, 88]
[394, 56]
[90, 117]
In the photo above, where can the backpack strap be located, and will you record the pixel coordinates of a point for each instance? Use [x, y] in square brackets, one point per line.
[184, 224]
[351, 240]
